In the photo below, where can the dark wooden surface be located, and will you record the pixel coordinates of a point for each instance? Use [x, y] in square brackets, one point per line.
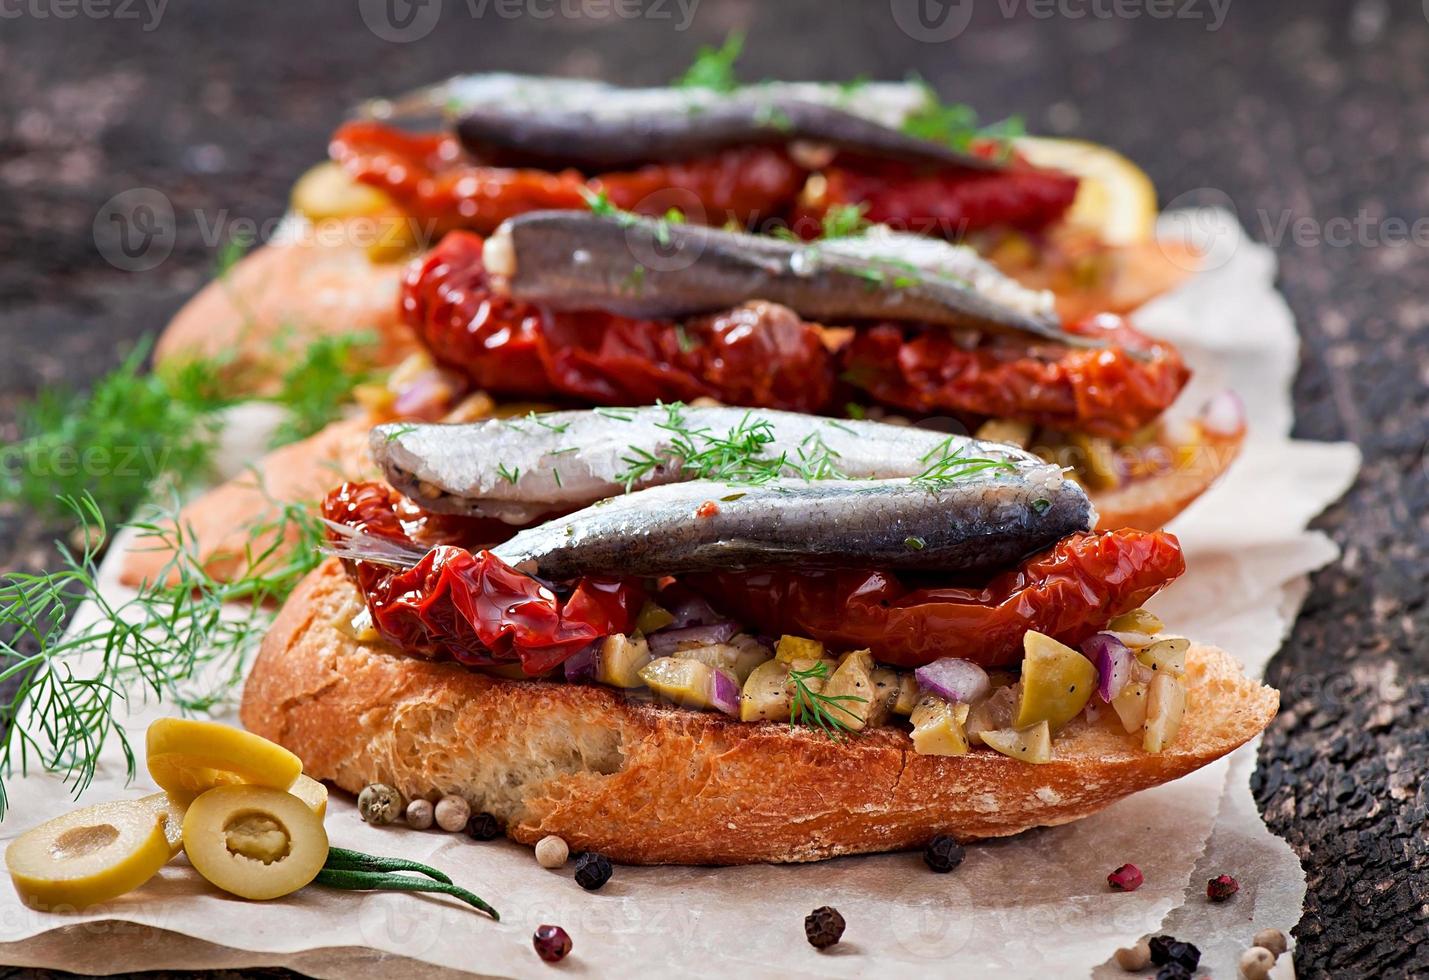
[1313, 111]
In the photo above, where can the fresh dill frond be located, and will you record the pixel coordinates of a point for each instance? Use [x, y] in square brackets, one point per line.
[713, 68]
[556, 427]
[115, 441]
[815, 708]
[184, 637]
[508, 474]
[946, 465]
[319, 383]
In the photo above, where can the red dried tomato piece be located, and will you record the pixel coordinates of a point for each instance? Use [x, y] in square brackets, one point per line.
[1068, 592]
[471, 605]
[1102, 391]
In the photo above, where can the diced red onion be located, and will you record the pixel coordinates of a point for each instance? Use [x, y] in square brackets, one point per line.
[724, 694]
[580, 666]
[663, 643]
[1113, 662]
[694, 611]
[956, 680]
[1224, 415]
[427, 396]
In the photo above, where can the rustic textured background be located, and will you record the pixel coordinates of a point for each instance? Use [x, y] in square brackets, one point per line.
[1310, 116]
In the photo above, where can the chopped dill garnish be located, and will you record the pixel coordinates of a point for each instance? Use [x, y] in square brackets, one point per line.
[843, 221]
[398, 431]
[947, 465]
[735, 456]
[619, 414]
[713, 68]
[319, 383]
[956, 125]
[685, 341]
[509, 475]
[815, 708]
[556, 427]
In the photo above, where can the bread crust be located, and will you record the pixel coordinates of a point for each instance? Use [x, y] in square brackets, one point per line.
[650, 784]
[285, 295]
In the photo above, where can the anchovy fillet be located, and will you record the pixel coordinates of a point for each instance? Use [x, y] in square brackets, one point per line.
[515, 120]
[647, 267]
[518, 469]
[987, 521]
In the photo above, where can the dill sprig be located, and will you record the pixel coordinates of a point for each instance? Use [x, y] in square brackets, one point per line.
[735, 456]
[183, 637]
[713, 68]
[815, 708]
[947, 465]
[319, 384]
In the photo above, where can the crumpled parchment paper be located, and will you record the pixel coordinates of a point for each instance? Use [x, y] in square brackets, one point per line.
[1035, 905]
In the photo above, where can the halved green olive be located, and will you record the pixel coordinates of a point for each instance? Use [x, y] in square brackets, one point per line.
[88, 856]
[1057, 681]
[254, 841]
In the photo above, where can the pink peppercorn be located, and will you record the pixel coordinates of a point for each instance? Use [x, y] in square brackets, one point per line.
[1127, 878]
[1221, 887]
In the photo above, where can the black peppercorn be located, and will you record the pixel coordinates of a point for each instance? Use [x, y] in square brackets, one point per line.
[483, 826]
[592, 870]
[943, 854]
[1170, 951]
[823, 927]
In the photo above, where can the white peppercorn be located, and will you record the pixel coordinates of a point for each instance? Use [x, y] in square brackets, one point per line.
[452, 812]
[1134, 958]
[419, 814]
[552, 851]
[1256, 963]
[1272, 939]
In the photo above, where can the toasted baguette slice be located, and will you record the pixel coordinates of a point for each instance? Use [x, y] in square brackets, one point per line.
[238, 519]
[281, 297]
[648, 784]
[1151, 502]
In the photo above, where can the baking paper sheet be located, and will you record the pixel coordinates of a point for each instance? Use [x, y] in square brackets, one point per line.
[1035, 906]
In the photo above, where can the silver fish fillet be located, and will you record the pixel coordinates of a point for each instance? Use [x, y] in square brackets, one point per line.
[519, 469]
[983, 522]
[649, 267]
[522, 120]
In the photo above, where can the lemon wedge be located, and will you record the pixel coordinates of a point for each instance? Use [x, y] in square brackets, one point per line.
[1115, 197]
[88, 856]
[186, 757]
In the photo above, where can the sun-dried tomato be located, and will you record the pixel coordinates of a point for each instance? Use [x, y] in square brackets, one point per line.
[948, 202]
[1103, 391]
[758, 354]
[469, 604]
[1068, 592]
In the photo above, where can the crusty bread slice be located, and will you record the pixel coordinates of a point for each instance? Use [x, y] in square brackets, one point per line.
[650, 784]
[1151, 502]
[238, 519]
[281, 297]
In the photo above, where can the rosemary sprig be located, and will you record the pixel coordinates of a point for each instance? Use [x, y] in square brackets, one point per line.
[815, 708]
[184, 637]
